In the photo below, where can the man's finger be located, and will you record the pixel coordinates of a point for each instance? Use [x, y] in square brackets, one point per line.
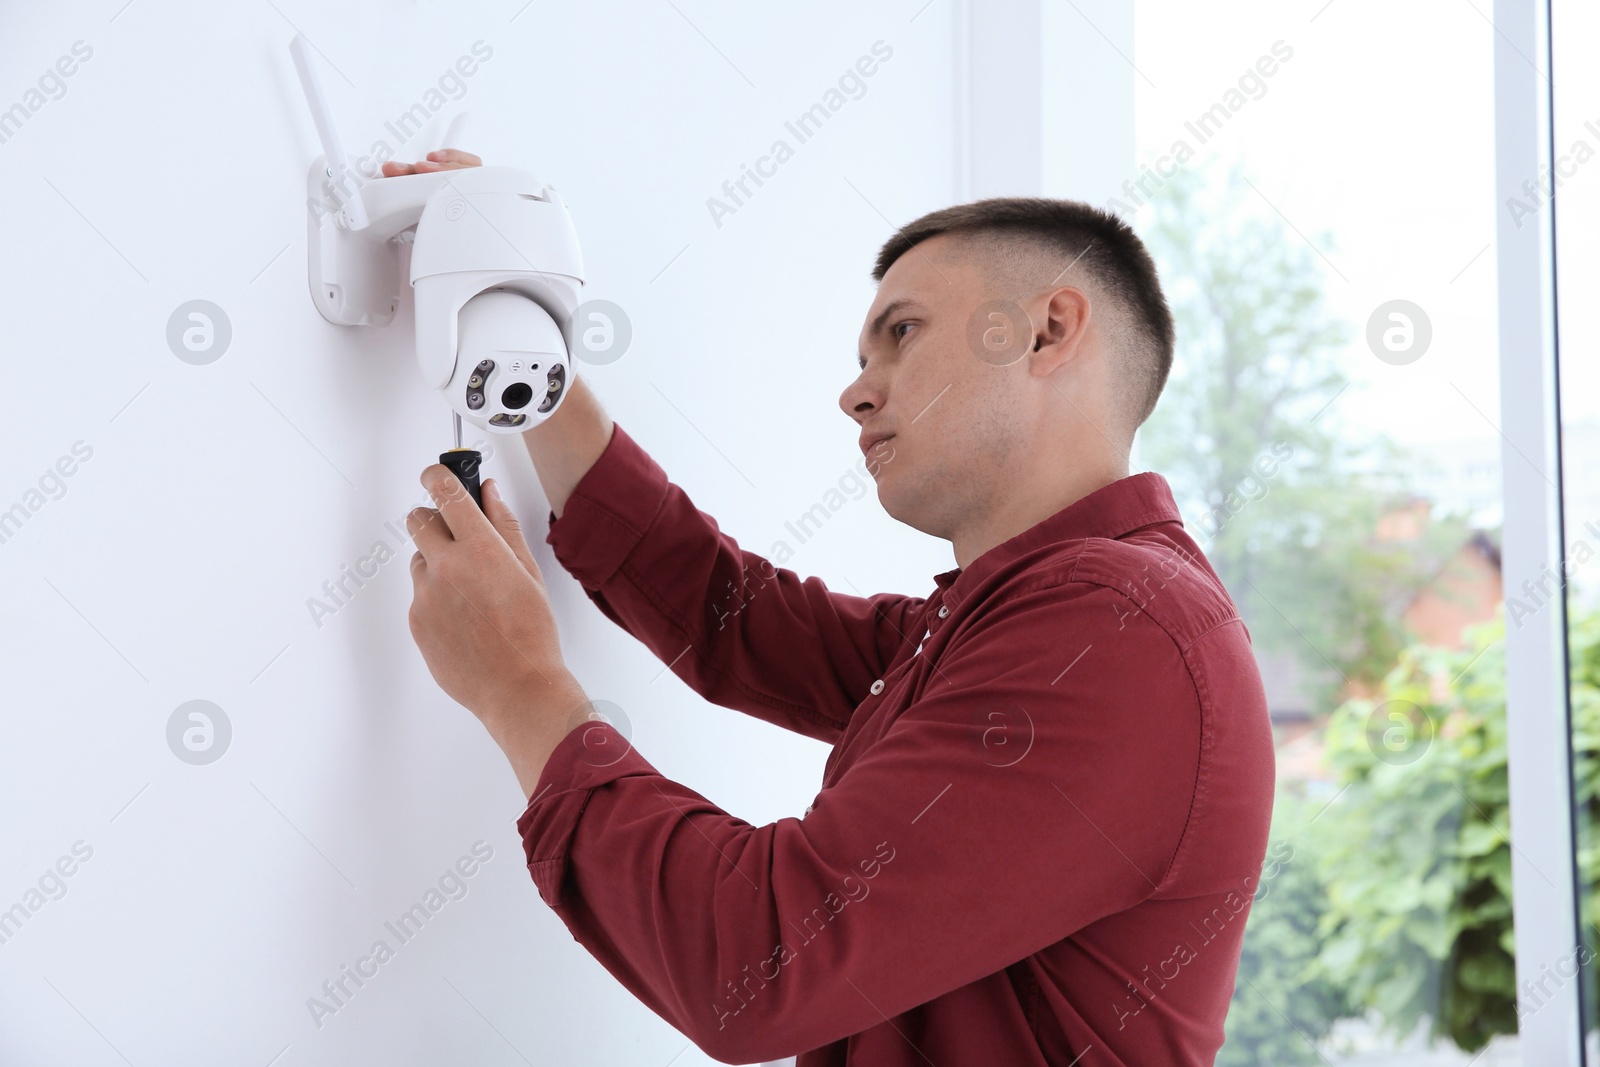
[456, 156]
[443, 159]
[446, 159]
[465, 519]
[428, 530]
[509, 527]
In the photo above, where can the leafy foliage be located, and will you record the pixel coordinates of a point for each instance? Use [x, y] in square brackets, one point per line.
[1416, 852]
[1398, 904]
[1283, 499]
[1282, 1003]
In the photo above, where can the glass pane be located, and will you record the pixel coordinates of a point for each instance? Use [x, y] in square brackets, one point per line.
[1577, 214]
[1321, 205]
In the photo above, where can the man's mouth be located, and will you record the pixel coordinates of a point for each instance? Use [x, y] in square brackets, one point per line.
[871, 440]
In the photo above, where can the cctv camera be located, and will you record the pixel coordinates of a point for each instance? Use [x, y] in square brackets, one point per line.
[495, 270]
[511, 361]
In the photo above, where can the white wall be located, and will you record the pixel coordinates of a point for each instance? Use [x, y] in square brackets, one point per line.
[176, 562]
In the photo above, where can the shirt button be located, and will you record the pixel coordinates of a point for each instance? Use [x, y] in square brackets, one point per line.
[877, 687]
[943, 611]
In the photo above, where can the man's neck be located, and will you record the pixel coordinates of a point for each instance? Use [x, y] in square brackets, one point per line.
[1026, 506]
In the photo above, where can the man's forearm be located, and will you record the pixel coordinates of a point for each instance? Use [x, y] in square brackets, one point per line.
[567, 444]
[529, 729]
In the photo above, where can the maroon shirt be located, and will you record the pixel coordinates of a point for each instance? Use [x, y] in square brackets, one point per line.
[1039, 831]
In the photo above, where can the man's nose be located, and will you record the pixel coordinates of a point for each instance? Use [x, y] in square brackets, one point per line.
[860, 398]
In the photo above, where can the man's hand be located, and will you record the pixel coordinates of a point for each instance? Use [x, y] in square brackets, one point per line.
[444, 159]
[481, 618]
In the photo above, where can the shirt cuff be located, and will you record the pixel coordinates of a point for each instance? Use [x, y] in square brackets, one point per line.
[610, 508]
[588, 757]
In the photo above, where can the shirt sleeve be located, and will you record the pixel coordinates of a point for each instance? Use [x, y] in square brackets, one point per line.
[741, 632]
[1035, 787]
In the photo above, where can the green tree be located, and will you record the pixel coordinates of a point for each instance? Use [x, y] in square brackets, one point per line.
[1416, 851]
[1283, 1004]
[1283, 497]
[1397, 903]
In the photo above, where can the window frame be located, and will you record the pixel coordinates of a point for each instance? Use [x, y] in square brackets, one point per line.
[1544, 872]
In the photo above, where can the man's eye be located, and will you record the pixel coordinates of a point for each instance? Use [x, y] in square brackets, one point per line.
[897, 326]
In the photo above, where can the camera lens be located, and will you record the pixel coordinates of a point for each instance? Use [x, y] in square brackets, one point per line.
[517, 395]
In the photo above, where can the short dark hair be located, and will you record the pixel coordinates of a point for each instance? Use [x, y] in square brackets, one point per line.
[1097, 240]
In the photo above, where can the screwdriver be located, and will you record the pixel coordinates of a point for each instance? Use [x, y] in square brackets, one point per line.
[464, 463]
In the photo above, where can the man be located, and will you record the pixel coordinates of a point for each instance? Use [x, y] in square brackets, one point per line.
[1043, 820]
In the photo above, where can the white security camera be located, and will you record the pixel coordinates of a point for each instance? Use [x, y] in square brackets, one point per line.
[511, 365]
[495, 271]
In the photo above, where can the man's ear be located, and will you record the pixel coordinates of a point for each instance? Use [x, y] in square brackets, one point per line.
[1063, 323]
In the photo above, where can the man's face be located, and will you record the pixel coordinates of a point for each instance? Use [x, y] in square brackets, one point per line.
[951, 413]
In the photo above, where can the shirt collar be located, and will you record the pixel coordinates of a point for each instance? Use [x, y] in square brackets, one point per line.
[1111, 511]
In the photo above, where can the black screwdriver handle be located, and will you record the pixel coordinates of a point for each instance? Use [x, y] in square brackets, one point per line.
[465, 463]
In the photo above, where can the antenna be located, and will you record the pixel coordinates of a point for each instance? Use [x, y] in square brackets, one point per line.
[352, 209]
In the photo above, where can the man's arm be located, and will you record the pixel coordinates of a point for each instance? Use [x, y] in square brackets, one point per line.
[941, 857]
[567, 443]
[738, 630]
